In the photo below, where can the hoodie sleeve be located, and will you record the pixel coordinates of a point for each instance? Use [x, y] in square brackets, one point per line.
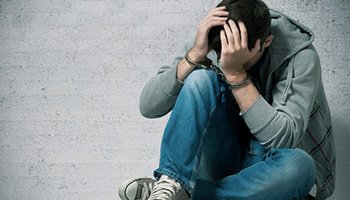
[283, 123]
[160, 93]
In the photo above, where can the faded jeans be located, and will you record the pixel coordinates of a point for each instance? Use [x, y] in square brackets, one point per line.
[205, 148]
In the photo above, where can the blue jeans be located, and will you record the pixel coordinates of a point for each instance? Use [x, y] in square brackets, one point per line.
[206, 148]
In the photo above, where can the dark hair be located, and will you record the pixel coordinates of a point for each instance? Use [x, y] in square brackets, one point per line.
[255, 15]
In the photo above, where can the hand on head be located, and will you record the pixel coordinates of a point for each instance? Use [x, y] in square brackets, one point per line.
[234, 48]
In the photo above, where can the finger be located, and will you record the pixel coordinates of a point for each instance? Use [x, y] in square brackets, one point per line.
[235, 32]
[244, 34]
[208, 20]
[213, 18]
[211, 24]
[208, 24]
[218, 8]
[223, 40]
[228, 33]
[256, 48]
[219, 13]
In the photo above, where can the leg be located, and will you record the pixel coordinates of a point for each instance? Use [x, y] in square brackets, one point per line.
[275, 175]
[199, 121]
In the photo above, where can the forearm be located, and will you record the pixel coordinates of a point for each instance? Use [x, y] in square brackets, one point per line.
[271, 128]
[245, 95]
[283, 122]
[184, 68]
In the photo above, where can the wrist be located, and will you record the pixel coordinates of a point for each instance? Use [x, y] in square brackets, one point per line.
[195, 56]
[236, 78]
[236, 84]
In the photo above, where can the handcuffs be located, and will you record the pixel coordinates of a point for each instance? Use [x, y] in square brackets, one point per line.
[206, 63]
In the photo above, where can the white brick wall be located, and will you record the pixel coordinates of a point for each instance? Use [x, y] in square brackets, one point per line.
[71, 72]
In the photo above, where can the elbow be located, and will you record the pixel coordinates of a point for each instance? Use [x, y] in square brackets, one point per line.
[145, 106]
[150, 110]
[145, 110]
[147, 114]
[151, 113]
[152, 107]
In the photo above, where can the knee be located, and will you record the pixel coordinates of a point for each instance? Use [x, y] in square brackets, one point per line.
[201, 78]
[303, 163]
[299, 166]
[293, 173]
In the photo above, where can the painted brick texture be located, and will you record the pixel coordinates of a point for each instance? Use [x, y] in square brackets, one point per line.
[71, 73]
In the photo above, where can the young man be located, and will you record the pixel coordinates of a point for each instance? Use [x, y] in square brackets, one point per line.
[255, 124]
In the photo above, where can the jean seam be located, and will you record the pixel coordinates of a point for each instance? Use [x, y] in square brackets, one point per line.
[197, 162]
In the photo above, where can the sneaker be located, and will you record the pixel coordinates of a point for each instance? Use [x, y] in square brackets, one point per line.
[168, 189]
[136, 189]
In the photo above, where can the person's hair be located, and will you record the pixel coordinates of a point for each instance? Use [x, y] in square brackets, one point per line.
[255, 15]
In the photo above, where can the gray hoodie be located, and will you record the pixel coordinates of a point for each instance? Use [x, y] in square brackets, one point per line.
[292, 111]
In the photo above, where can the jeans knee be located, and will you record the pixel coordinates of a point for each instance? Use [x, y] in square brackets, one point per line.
[304, 161]
[301, 167]
[293, 173]
[201, 78]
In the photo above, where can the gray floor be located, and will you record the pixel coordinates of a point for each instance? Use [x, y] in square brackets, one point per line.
[71, 72]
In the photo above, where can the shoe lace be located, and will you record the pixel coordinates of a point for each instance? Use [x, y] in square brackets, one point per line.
[146, 189]
[164, 189]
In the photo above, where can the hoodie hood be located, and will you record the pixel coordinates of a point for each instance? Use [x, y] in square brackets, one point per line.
[289, 38]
